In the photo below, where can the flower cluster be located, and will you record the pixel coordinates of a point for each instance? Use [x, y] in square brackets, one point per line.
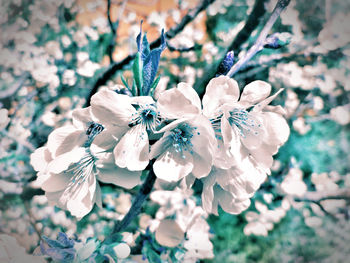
[226, 140]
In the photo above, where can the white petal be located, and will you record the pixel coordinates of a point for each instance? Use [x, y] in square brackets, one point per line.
[228, 203]
[174, 104]
[171, 166]
[208, 192]
[190, 94]
[255, 91]
[122, 177]
[142, 100]
[82, 117]
[132, 151]
[63, 161]
[169, 233]
[81, 202]
[56, 182]
[218, 91]
[65, 139]
[276, 127]
[112, 108]
[40, 158]
[261, 105]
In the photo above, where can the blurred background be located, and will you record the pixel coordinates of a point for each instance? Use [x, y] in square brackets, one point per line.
[55, 53]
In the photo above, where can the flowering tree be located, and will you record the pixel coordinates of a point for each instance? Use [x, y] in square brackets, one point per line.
[146, 153]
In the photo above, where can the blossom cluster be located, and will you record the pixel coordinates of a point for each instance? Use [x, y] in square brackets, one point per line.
[227, 141]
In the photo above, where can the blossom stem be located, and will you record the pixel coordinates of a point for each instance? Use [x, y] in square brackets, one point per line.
[259, 43]
[136, 206]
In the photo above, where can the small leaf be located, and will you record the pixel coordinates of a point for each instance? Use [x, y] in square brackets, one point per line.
[137, 70]
[150, 66]
[154, 85]
[145, 49]
[138, 38]
[125, 82]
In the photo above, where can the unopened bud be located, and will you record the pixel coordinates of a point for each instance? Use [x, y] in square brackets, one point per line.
[277, 40]
[226, 64]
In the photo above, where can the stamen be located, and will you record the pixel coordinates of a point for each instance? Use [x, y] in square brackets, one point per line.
[244, 122]
[93, 130]
[181, 138]
[148, 116]
[81, 171]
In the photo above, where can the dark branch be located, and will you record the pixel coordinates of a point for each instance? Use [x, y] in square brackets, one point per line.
[183, 49]
[251, 23]
[115, 66]
[140, 198]
[259, 43]
[114, 27]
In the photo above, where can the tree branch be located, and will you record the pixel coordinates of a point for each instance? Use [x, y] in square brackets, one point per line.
[252, 22]
[115, 66]
[259, 43]
[135, 209]
[114, 27]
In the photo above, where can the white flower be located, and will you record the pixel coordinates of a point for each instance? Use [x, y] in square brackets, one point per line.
[4, 119]
[69, 166]
[12, 252]
[249, 132]
[231, 188]
[188, 143]
[293, 183]
[136, 116]
[245, 128]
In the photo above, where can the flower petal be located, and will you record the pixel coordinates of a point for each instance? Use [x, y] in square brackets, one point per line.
[228, 203]
[82, 118]
[132, 151]
[208, 192]
[178, 103]
[40, 158]
[261, 105]
[171, 166]
[64, 139]
[277, 128]
[112, 108]
[56, 182]
[218, 91]
[111, 174]
[255, 91]
[63, 161]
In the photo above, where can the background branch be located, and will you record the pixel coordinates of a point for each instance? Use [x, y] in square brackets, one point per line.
[114, 27]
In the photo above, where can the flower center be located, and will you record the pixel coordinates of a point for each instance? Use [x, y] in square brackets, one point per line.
[244, 122]
[181, 138]
[146, 115]
[93, 130]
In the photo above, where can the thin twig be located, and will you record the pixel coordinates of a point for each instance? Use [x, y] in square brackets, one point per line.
[114, 27]
[141, 196]
[259, 43]
[115, 66]
[31, 218]
[14, 88]
[183, 49]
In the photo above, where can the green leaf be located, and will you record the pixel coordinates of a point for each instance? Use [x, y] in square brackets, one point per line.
[154, 85]
[137, 70]
[125, 82]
